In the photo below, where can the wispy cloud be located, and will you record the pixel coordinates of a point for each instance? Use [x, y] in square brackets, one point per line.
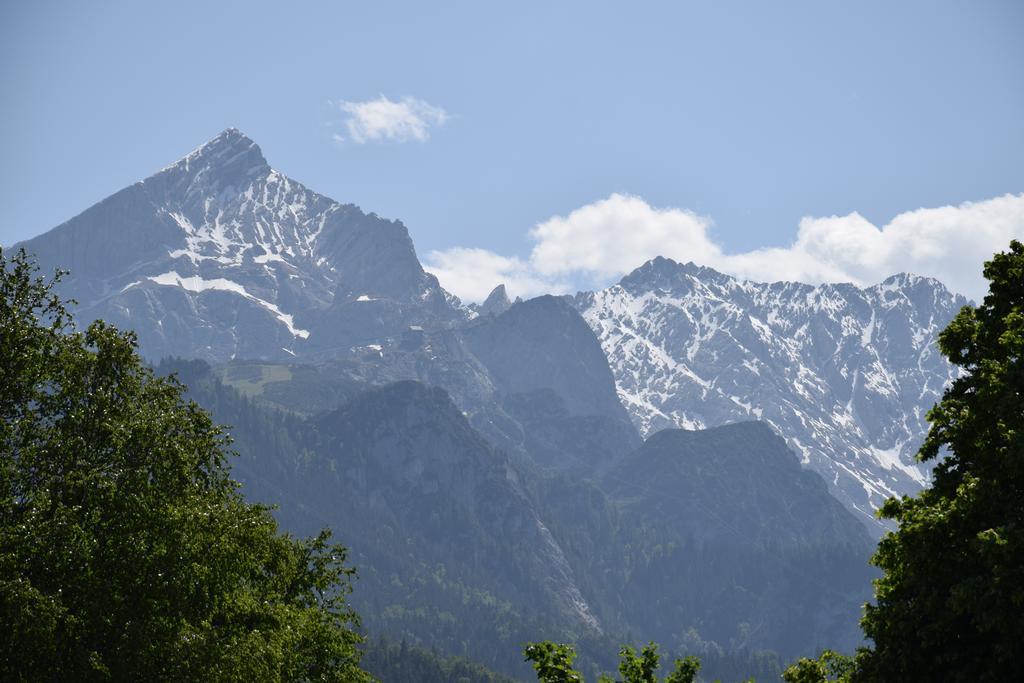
[601, 241]
[382, 119]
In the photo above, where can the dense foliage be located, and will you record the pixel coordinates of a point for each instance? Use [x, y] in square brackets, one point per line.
[553, 663]
[951, 603]
[404, 663]
[829, 666]
[126, 551]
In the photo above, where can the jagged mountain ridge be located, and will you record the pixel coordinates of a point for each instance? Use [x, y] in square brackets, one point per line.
[844, 374]
[218, 255]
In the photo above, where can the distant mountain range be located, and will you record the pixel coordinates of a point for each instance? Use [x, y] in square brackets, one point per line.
[526, 469]
[846, 375]
[219, 257]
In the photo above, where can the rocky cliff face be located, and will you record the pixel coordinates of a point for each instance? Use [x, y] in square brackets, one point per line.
[844, 374]
[496, 303]
[220, 256]
[544, 343]
[552, 379]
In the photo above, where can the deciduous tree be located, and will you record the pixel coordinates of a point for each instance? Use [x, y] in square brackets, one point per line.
[126, 551]
[950, 605]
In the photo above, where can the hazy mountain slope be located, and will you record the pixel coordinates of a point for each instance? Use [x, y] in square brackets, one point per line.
[425, 472]
[844, 374]
[533, 380]
[551, 375]
[220, 256]
[757, 551]
[450, 549]
[535, 426]
[544, 343]
[460, 548]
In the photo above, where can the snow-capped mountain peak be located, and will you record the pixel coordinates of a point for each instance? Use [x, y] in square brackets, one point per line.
[232, 207]
[219, 255]
[845, 374]
[228, 156]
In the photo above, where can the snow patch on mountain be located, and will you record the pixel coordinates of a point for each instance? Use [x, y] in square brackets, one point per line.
[844, 374]
[222, 220]
[196, 284]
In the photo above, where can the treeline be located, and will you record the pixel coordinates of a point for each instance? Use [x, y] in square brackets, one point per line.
[402, 663]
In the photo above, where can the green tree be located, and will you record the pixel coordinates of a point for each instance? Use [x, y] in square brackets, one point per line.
[950, 604]
[553, 664]
[126, 551]
[685, 670]
[640, 668]
[830, 666]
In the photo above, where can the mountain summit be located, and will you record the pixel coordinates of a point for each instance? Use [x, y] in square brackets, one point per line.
[845, 374]
[231, 157]
[219, 255]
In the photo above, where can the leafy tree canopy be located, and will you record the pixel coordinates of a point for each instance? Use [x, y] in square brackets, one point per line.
[829, 667]
[950, 605]
[553, 664]
[126, 551]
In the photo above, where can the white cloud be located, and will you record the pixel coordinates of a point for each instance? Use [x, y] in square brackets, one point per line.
[472, 273]
[949, 243]
[387, 120]
[612, 236]
[599, 242]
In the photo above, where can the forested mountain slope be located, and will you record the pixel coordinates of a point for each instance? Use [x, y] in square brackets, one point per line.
[461, 548]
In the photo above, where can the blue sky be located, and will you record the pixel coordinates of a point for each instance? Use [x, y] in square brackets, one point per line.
[743, 118]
